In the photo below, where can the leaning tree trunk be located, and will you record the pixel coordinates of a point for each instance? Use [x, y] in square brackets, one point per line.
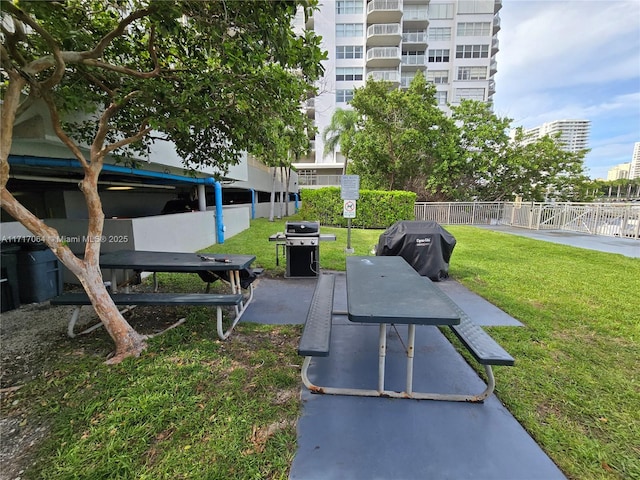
[272, 199]
[127, 341]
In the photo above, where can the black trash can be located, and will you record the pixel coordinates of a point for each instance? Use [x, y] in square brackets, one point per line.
[426, 246]
[39, 272]
[9, 277]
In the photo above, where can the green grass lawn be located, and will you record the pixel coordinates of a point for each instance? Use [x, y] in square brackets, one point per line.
[195, 407]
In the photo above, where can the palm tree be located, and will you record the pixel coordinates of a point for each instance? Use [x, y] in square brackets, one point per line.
[340, 132]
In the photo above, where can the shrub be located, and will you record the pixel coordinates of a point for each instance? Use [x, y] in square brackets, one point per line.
[375, 209]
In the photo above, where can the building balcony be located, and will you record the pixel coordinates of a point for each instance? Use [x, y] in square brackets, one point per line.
[495, 46]
[384, 11]
[414, 62]
[496, 25]
[384, 34]
[415, 40]
[493, 68]
[392, 76]
[497, 5]
[492, 87]
[383, 57]
[416, 17]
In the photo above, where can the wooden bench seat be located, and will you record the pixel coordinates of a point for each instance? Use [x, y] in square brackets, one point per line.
[80, 299]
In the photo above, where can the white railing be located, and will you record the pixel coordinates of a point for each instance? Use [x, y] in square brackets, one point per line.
[383, 29]
[386, 75]
[611, 219]
[383, 52]
[414, 37]
[383, 5]
[414, 60]
[314, 180]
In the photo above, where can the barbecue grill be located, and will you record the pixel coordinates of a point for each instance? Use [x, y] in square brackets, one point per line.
[302, 241]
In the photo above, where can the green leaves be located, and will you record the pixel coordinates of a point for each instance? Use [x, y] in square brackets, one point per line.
[210, 76]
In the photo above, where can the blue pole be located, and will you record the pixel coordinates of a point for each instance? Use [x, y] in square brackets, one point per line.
[296, 197]
[219, 219]
[253, 204]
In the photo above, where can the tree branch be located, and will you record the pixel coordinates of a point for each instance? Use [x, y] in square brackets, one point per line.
[57, 127]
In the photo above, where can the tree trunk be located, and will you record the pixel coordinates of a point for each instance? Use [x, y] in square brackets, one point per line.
[280, 209]
[272, 200]
[127, 341]
[287, 178]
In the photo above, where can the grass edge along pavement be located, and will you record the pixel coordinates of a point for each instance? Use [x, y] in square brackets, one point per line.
[193, 407]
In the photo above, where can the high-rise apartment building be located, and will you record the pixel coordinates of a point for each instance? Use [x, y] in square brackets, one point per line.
[453, 42]
[574, 134]
[634, 171]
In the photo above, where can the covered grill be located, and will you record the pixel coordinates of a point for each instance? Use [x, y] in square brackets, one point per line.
[302, 241]
[424, 245]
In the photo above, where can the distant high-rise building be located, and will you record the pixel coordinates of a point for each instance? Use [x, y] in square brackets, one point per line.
[453, 42]
[619, 172]
[574, 134]
[634, 171]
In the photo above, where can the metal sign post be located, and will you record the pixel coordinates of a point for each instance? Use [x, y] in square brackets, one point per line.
[349, 192]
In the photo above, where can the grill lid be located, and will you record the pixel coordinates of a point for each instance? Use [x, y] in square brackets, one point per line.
[302, 228]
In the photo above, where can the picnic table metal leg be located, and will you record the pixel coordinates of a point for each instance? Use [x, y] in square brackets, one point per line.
[72, 324]
[382, 354]
[410, 354]
[409, 393]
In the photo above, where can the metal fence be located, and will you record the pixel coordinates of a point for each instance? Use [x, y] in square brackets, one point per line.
[610, 219]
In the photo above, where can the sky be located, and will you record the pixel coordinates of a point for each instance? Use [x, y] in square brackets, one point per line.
[573, 59]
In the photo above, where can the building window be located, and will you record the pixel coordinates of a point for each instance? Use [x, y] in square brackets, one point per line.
[440, 77]
[474, 29]
[440, 11]
[439, 55]
[440, 33]
[349, 6]
[344, 96]
[469, 94]
[413, 57]
[441, 98]
[349, 51]
[349, 30]
[406, 79]
[475, 6]
[472, 51]
[472, 73]
[348, 74]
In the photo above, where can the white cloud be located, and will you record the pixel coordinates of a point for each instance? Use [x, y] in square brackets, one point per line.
[560, 43]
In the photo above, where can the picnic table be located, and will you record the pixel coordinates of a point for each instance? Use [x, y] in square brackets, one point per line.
[386, 290]
[227, 266]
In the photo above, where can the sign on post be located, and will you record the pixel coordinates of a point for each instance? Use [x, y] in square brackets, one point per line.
[350, 187]
[349, 210]
[349, 192]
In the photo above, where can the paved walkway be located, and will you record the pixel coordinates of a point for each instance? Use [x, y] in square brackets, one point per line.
[628, 247]
[376, 438]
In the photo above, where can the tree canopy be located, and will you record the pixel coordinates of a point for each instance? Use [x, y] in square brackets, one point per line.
[116, 75]
[404, 141]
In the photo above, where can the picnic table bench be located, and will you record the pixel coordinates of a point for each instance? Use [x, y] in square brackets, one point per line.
[434, 308]
[202, 299]
[227, 267]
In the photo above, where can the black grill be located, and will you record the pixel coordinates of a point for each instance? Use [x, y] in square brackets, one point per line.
[302, 249]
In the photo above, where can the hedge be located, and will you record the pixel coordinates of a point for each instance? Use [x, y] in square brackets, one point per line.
[374, 208]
